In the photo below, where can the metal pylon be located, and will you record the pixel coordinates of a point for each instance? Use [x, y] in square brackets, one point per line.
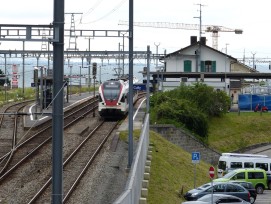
[44, 44]
[72, 40]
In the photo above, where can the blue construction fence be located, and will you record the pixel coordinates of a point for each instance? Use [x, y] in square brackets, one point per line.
[249, 101]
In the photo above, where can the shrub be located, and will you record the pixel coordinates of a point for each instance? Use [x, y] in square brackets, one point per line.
[189, 106]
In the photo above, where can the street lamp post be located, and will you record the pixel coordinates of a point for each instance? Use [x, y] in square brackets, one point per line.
[94, 72]
[41, 89]
[80, 79]
[5, 85]
[226, 67]
[158, 77]
[5, 78]
[36, 75]
[123, 56]
[70, 79]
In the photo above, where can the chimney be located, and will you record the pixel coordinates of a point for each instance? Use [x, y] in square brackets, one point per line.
[203, 40]
[193, 40]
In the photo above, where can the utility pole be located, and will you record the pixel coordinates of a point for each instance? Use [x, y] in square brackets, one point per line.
[253, 59]
[200, 32]
[130, 98]
[123, 56]
[23, 66]
[57, 111]
[227, 47]
[89, 63]
[158, 81]
[200, 20]
[157, 45]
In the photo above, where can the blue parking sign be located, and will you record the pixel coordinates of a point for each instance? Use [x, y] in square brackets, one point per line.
[195, 157]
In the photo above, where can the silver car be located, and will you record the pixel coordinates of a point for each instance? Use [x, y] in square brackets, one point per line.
[218, 198]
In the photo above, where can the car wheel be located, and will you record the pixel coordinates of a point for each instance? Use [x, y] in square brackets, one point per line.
[252, 199]
[259, 189]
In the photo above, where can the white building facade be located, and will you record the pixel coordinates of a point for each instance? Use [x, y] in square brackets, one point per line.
[198, 57]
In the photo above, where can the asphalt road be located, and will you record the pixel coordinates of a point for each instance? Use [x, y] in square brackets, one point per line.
[264, 198]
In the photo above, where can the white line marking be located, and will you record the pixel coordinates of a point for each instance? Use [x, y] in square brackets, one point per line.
[138, 108]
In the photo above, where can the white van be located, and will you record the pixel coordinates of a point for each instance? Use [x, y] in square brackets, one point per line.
[231, 161]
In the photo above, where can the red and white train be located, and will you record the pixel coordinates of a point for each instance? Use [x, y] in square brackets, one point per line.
[113, 98]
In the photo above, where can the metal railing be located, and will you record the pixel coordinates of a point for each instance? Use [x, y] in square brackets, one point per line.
[132, 192]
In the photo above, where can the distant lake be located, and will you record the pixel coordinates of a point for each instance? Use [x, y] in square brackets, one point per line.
[105, 71]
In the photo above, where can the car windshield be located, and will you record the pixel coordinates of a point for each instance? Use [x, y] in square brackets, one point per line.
[203, 186]
[229, 175]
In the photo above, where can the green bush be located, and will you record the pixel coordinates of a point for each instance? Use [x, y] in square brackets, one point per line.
[189, 106]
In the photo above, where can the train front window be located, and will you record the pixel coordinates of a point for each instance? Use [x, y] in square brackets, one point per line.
[111, 90]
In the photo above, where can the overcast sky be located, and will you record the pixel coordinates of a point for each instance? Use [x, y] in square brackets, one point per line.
[253, 17]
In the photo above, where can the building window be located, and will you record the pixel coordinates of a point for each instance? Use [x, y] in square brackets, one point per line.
[208, 66]
[187, 65]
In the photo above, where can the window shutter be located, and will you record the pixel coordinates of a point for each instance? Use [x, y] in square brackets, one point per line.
[213, 66]
[187, 65]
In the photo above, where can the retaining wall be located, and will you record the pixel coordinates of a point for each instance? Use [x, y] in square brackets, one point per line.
[187, 142]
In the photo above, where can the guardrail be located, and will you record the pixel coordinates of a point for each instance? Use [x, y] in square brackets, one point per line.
[132, 192]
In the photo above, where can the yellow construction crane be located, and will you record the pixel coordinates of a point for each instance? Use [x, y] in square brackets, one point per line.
[207, 28]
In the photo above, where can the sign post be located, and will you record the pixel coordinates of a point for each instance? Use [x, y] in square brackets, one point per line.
[195, 160]
[212, 174]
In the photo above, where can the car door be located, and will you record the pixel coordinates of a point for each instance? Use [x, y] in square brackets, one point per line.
[237, 190]
[229, 201]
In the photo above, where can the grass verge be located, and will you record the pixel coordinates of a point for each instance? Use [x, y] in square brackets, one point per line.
[172, 172]
[233, 132]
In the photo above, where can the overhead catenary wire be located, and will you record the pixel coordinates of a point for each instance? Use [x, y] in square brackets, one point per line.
[118, 6]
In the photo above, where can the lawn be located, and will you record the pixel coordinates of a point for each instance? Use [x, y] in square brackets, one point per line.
[172, 169]
[233, 131]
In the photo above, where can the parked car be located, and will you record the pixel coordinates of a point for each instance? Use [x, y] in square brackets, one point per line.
[249, 186]
[256, 176]
[217, 198]
[218, 188]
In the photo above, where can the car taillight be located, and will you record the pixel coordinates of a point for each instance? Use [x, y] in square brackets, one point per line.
[248, 195]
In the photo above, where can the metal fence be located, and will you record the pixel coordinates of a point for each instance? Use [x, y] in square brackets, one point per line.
[248, 102]
[132, 192]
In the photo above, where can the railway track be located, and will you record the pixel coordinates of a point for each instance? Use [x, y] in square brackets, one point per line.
[31, 158]
[11, 130]
[28, 147]
[78, 162]
[30, 169]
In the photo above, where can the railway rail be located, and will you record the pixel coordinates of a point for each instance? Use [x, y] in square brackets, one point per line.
[78, 162]
[27, 148]
[11, 129]
[29, 170]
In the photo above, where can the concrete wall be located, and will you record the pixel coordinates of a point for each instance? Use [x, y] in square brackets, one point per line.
[187, 142]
